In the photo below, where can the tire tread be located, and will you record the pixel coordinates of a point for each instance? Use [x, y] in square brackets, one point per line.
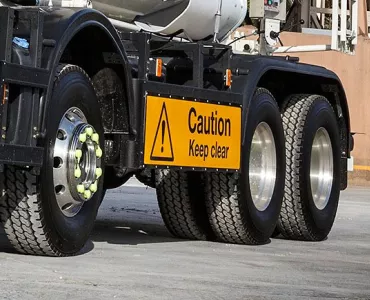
[21, 210]
[294, 220]
[225, 211]
[177, 206]
[20, 213]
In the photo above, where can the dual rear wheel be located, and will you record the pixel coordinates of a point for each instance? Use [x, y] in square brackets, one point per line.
[312, 185]
[288, 184]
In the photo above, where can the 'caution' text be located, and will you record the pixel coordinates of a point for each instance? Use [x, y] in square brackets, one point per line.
[209, 125]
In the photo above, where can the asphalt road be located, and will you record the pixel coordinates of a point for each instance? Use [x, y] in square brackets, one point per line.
[132, 256]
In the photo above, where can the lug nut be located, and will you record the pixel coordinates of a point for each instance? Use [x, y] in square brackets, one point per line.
[94, 187]
[82, 137]
[78, 172]
[95, 137]
[98, 172]
[89, 131]
[87, 194]
[99, 152]
[78, 153]
[81, 188]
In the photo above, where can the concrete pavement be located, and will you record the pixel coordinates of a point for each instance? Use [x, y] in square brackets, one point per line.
[132, 256]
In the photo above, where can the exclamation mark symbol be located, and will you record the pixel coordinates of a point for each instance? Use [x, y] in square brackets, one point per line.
[163, 129]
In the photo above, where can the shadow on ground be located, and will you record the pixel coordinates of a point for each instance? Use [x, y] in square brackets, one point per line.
[127, 233]
[117, 233]
[131, 233]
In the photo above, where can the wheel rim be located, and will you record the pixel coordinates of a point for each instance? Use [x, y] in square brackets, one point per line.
[321, 169]
[262, 166]
[77, 162]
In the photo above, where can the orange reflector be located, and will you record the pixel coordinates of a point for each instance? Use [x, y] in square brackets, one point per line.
[5, 93]
[228, 78]
[158, 69]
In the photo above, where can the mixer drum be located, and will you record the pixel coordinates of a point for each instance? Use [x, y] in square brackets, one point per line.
[195, 17]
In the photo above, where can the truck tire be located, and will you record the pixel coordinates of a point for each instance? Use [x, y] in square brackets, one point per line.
[51, 210]
[313, 168]
[244, 208]
[181, 201]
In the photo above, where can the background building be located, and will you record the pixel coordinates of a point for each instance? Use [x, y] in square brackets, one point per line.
[353, 70]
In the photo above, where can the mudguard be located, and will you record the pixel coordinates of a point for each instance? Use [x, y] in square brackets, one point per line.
[60, 25]
[250, 71]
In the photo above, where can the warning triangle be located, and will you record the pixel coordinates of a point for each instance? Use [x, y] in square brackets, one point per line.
[162, 146]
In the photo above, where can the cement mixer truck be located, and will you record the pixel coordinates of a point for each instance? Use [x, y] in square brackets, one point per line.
[239, 147]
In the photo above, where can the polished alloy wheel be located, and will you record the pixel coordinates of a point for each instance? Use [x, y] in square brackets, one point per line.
[262, 166]
[77, 162]
[321, 170]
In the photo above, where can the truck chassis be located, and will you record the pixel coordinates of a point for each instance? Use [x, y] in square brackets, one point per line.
[227, 140]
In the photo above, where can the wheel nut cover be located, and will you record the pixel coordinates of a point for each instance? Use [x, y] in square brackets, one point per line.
[78, 172]
[78, 153]
[99, 152]
[77, 162]
[87, 189]
[81, 188]
[89, 131]
[98, 172]
[95, 137]
[94, 187]
[82, 137]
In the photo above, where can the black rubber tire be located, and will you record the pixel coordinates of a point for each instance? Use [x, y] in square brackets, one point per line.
[276, 233]
[181, 201]
[29, 211]
[300, 219]
[232, 214]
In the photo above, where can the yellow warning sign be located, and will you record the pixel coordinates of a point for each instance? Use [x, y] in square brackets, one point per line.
[162, 146]
[192, 134]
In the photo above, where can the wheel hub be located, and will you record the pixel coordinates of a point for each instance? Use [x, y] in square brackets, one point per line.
[262, 166]
[321, 169]
[77, 162]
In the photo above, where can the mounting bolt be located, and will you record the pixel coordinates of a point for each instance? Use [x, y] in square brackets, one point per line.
[3, 136]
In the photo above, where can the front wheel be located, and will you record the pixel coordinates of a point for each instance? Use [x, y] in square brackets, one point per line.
[51, 211]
